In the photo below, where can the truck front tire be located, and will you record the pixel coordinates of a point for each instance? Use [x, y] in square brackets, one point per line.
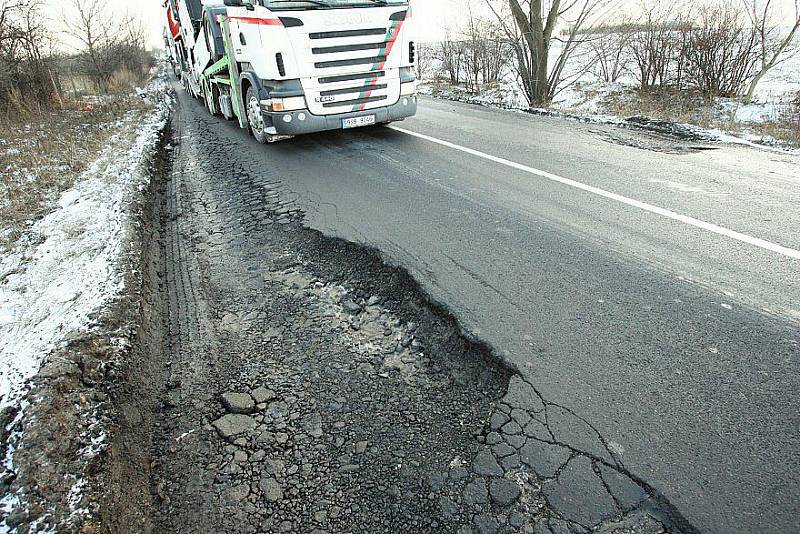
[254, 116]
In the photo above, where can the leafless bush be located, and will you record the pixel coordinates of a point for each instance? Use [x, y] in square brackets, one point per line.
[719, 49]
[26, 80]
[610, 51]
[451, 55]
[486, 53]
[110, 43]
[426, 54]
[658, 44]
[475, 56]
[722, 51]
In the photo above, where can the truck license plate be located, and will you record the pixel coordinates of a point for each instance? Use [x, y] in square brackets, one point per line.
[356, 122]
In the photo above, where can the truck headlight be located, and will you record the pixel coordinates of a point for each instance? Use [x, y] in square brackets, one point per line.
[292, 103]
[408, 89]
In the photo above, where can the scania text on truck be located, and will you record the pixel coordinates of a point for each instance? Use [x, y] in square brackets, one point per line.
[289, 67]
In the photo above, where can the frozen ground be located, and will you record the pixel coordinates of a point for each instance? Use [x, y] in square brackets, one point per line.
[36, 166]
[69, 266]
[54, 283]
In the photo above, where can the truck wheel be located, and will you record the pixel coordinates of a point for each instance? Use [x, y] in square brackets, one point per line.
[211, 95]
[254, 117]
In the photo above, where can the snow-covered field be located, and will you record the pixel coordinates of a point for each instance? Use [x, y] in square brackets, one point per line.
[773, 97]
[66, 267]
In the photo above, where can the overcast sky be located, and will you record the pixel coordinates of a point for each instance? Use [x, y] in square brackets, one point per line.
[431, 16]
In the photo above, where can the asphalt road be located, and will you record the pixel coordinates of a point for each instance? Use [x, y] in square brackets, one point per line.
[676, 338]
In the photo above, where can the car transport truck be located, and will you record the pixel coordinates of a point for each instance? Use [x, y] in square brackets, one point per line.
[288, 67]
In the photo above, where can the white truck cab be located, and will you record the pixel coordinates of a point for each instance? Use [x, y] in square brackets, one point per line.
[305, 66]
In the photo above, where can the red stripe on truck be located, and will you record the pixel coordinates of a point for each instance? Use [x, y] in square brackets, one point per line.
[174, 27]
[258, 21]
[391, 38]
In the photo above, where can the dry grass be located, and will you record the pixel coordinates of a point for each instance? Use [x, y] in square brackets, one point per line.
[689, 108]
[41, 155]
[673, 105]
[785, 128]
[785, 131]
[124, 79]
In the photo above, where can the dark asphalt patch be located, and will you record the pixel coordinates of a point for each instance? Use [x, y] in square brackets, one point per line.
[649, 141]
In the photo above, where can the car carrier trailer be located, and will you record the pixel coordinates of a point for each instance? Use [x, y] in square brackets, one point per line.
[282, 68]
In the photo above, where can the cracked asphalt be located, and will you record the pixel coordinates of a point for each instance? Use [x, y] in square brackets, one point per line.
[652, 369]
[310, 386]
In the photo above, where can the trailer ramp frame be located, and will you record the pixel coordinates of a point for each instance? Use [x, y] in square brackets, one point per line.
[228, 63]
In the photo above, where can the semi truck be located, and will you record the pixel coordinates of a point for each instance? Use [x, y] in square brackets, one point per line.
[282, 68]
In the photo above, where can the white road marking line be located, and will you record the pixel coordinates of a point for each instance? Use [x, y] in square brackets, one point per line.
[744, 238]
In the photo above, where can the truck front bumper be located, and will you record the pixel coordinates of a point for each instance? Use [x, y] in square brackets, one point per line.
[303, 122]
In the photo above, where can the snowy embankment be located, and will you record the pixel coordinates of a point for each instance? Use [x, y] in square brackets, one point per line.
[63, 275]
[69, 269]
[591, 99]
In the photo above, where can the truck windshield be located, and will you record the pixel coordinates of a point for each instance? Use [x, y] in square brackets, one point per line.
[287, 5]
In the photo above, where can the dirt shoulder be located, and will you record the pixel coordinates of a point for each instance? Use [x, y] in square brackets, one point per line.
[71, 292]
[257, 376]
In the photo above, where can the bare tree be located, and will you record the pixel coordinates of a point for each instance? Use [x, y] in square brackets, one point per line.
[131, 52]
[535, 25]
[772, 47]
[93, 27]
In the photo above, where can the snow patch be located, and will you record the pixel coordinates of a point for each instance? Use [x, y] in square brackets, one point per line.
[587, 99]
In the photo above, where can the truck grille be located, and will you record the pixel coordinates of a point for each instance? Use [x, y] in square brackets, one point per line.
[347, 33]
[347, 48]
[348, 77]
[350, 62]
[349, 69]
[351, 90]
[355, 102]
